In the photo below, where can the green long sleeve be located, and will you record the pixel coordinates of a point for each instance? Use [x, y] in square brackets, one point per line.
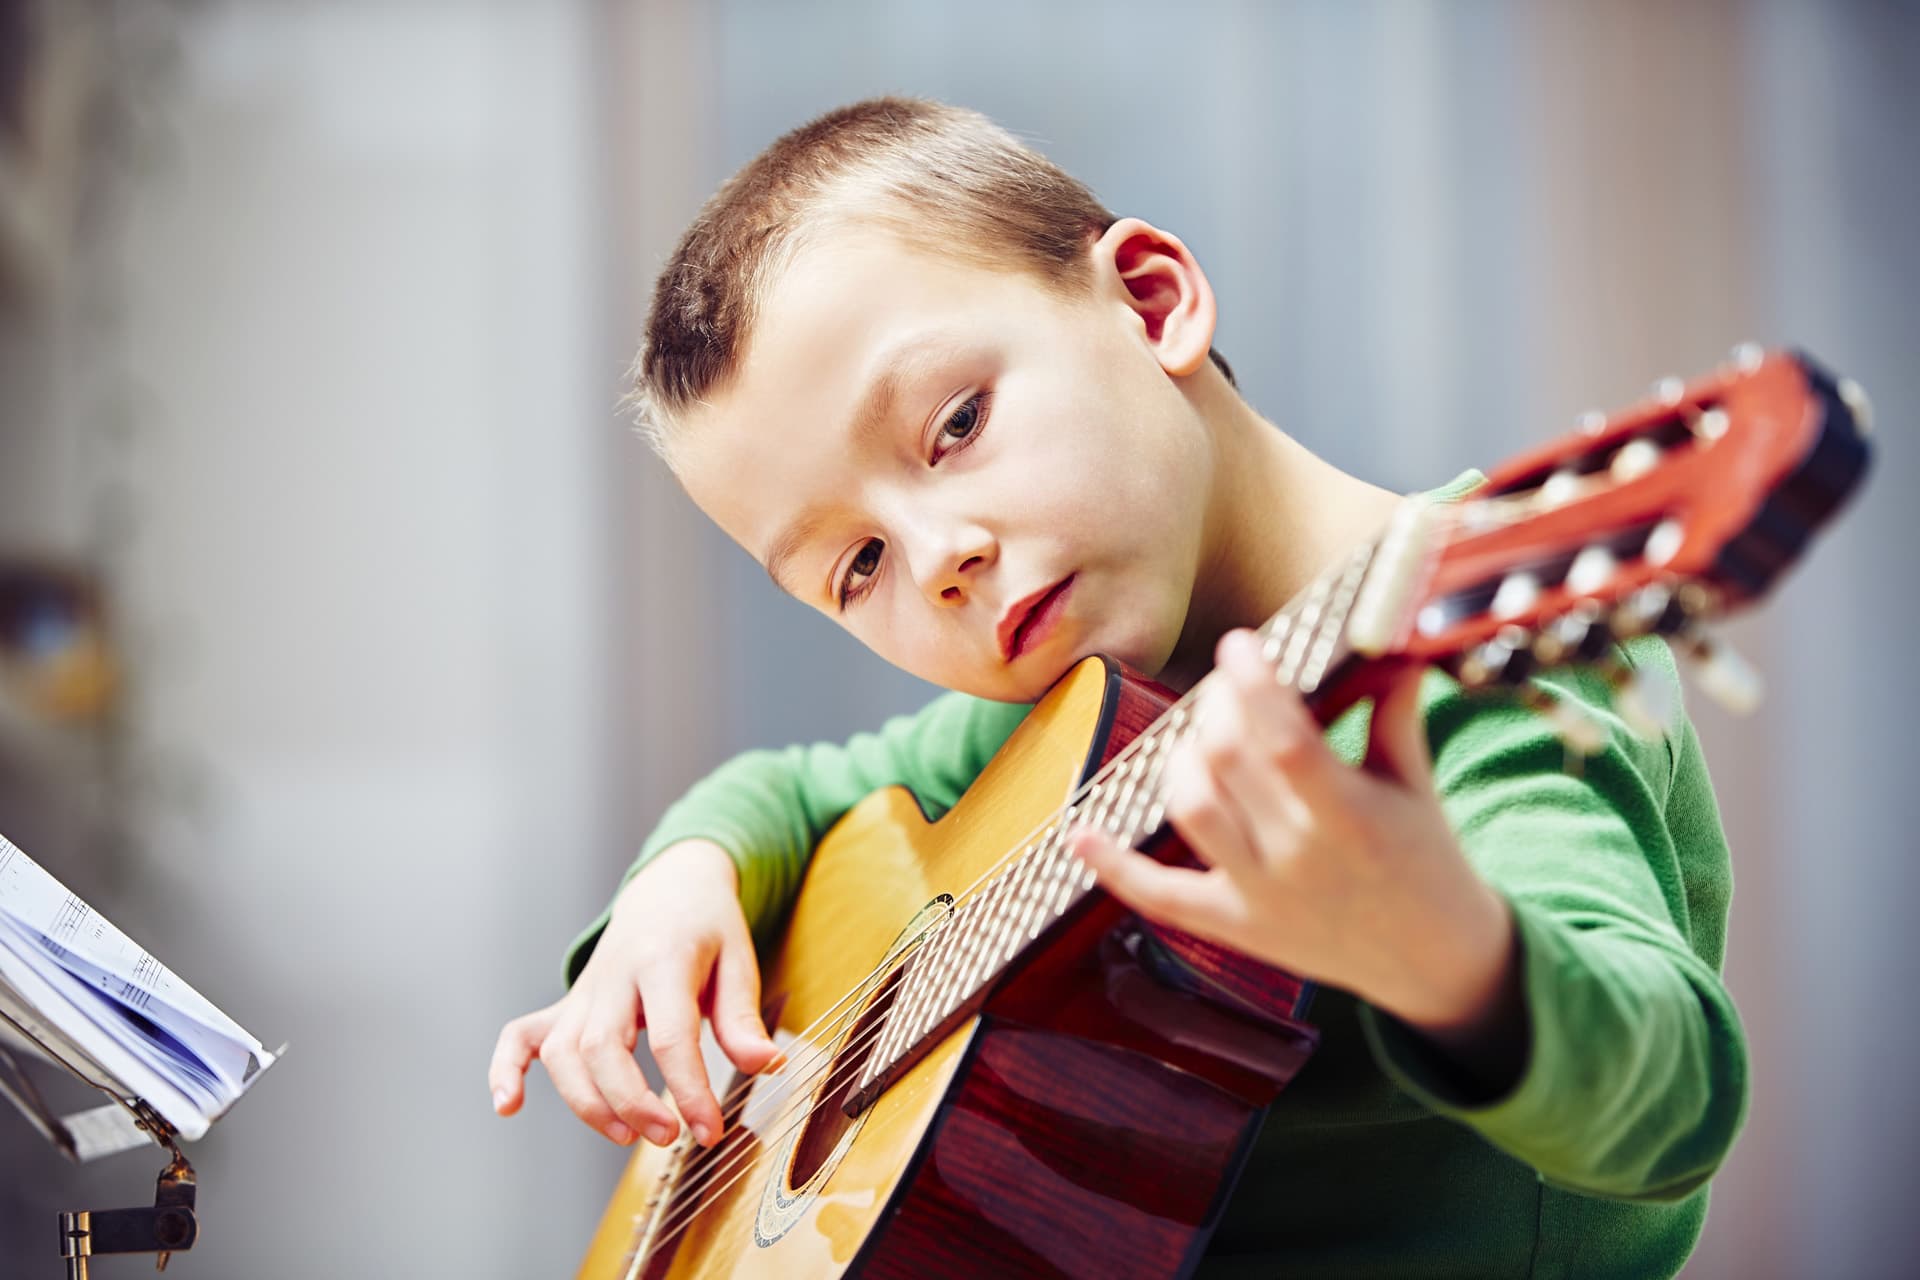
[1636, 1072]
[1378, 1161]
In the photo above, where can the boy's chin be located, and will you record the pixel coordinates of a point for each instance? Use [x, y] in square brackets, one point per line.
[1028, 681]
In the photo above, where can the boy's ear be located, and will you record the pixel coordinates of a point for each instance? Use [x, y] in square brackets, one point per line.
[1160, 282]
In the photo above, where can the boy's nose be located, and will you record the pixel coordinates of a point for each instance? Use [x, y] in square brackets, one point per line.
[955, 592]
[945, 551]
[955, 560]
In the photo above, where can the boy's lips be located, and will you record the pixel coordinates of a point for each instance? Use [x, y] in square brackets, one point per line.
[1028, 620]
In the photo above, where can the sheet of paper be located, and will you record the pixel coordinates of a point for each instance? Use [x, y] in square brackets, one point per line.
[86, 988]
[40, 904]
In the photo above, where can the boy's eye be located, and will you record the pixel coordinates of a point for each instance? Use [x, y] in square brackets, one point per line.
[963, 428]
[866, 562]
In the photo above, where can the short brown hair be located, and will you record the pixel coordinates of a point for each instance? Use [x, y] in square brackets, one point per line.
[941, 177]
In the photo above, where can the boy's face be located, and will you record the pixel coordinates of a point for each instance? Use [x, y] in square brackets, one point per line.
[979, 480]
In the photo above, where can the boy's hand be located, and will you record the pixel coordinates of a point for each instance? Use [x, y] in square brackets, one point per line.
[676, 947]
[1346, 876]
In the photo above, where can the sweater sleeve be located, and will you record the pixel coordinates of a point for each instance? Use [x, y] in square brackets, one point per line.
[768, 809]
[1635, 1077]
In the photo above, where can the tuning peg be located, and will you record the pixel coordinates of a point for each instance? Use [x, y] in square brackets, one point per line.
[1635, 459]
[1516, 594]
[1574, 635]
[1724, 675]
[1645, 702]
[1592, 570]
[1664, 543]
[1572, 723]
[1505, 658]
[1709, 424]
[1649, 609]
[1854, 396]
[1560, 487]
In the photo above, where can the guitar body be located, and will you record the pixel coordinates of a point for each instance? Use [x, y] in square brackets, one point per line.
[1087, 1121]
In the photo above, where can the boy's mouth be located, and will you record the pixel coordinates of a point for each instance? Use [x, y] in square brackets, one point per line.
[1028, 621]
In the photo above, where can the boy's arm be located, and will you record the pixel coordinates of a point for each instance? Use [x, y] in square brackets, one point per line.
[767, 809]
[1633, 1081]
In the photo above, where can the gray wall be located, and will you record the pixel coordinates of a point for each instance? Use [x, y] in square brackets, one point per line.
[434, 639]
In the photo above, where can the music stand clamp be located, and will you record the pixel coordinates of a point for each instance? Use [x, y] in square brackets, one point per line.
[169, 1227]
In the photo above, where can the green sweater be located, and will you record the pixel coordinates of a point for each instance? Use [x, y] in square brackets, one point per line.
[1375, 1162]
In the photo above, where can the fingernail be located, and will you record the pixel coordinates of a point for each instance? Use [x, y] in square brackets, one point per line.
[620, 1133]
[702, 1134]
[659, 1134]
[500, 1097]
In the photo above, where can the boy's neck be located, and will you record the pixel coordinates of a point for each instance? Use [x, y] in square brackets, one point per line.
[1277, 517]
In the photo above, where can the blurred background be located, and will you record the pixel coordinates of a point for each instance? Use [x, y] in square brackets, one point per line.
[349, 642]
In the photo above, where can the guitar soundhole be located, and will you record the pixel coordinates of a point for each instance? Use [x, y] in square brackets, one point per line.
[828, 1123]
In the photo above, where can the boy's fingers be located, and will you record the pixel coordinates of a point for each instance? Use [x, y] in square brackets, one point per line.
[606, 1046]
[1171, 895]
[737, 1024]
[1397, 740]
[517, 1047]
[574, 1083]
[673, 1033]
[1276, 722]
[1205, 818]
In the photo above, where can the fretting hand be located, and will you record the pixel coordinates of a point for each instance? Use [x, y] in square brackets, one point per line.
[1347, 876]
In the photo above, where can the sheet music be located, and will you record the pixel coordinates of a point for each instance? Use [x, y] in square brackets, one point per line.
[103, 993]
[38, 903]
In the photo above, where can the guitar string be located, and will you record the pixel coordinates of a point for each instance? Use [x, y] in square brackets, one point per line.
[1025, 847]
[688, 1203]
[1028, 846]
[693, 1196]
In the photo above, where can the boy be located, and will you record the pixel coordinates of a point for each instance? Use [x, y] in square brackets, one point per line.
[947, 398]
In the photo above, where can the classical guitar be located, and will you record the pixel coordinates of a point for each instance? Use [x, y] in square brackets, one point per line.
[989, 1068]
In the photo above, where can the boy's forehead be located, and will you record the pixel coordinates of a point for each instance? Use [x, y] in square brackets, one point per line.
[842, 331]
[847, 322]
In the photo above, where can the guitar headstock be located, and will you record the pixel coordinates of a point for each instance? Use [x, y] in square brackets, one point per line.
[1657, 519]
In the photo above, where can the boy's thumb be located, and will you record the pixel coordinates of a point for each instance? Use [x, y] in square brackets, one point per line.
[737, 1023]
[1397, 739]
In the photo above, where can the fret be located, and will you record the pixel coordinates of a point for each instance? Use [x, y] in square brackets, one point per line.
[1135, 794]
[1067, 883]
[940, 996]
[1335, 622]
[1034, 918]
[901, 1029]
[1000, 944]
[1275, 632]
[924, 1013]
[976, 965]
[1303, 629]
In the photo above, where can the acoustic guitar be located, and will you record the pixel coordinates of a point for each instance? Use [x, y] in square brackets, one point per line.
[988, 1067]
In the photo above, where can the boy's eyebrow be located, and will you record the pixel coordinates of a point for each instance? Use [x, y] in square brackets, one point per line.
[788, 543]
[871, 416]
